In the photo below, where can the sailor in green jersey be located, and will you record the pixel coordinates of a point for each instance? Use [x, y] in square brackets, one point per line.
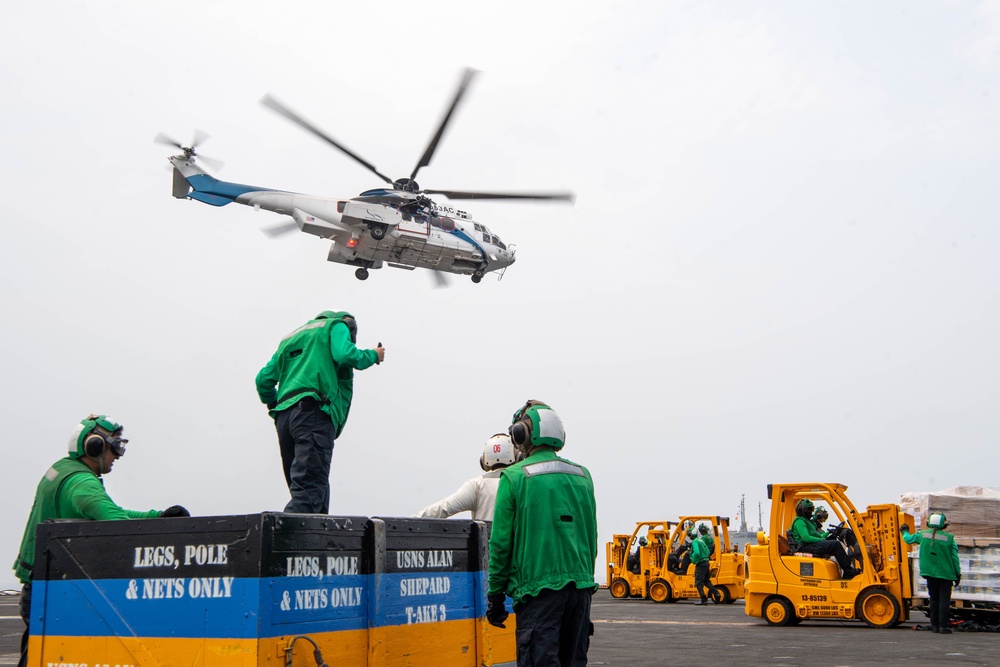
[939, 565]
[308, 385]
[809, 540]
[700, 556]
[73, 488]
[706, 536]
[544, 544]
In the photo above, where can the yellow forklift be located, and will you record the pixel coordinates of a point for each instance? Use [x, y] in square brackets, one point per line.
[786, 586]
[628, 561]
[655, 575]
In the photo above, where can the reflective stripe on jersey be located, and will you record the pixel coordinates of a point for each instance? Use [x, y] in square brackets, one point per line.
[306, 327]
[547, 467]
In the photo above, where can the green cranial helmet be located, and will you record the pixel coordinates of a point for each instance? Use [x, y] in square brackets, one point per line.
[703, 529]
[103, 424]
[537, 425]
[643, 542]
[804, 508]
[821, 514]
[937, 520]
[343, 316]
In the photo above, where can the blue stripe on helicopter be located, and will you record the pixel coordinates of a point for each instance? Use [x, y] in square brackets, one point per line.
[468, 239]
[211, 190]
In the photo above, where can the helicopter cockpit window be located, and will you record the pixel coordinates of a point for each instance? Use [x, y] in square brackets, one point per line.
[478, 227]
[498, 243]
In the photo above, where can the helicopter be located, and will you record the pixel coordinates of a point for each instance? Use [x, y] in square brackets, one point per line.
[398, 225]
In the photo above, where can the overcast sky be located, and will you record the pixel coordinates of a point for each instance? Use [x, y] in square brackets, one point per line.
[783, 263]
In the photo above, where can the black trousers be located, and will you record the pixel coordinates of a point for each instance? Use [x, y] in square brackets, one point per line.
[833, 548]
[940, 594]
[554, 628]
[305, 436]
[702, 580]
[685, 562]
[26, 617]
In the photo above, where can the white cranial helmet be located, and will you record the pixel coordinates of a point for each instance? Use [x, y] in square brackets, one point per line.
[498, 452]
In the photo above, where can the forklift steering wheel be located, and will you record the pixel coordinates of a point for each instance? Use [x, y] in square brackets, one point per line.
[837, 531]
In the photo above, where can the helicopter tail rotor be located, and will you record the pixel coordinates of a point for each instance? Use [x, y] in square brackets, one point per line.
[190, 152]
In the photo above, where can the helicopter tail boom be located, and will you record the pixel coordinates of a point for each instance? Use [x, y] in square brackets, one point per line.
[192, 182]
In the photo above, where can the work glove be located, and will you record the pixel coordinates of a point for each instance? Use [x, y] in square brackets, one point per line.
[905, 528]
[174, 511]
[958, 580]
[496, 612]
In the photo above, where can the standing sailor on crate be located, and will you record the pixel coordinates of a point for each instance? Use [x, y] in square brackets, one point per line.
[73, 488]
[939, 565]
[308, 386]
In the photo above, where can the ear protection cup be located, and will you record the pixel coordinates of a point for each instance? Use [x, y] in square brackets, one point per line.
[94, 444]
[482, 462]
[520, 432]
[352, 326]
[520, 429]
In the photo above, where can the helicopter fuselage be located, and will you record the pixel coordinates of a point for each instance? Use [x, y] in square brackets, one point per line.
[383, 226]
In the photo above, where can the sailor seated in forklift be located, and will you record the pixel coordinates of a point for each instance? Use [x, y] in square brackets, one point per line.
[634, 564]
[679, 561]
[839, 533]
[804, 537]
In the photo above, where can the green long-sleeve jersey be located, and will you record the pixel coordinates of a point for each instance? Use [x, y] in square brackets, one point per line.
[69, 490]
[544, 532]
[316, 360]
[699, 551]
[938, 553]
[805, 532]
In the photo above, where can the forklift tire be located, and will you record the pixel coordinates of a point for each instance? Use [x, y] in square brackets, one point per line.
[659, 591]
[878, 608]
[725, 597]
[620, 589]
[778, 612]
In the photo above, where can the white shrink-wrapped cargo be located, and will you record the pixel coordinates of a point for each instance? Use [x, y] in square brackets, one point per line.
[974, 519]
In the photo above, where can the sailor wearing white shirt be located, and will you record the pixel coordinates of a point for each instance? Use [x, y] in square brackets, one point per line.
[478, 495]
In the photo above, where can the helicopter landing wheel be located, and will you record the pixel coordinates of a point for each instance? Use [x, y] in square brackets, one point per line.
[361, 274]
[477, 276]
[378, 233]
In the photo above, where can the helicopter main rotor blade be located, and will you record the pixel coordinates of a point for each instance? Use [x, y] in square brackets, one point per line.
[280, 229]
[459, 194]
[440, 279]
[276, 106]
[462, 86]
